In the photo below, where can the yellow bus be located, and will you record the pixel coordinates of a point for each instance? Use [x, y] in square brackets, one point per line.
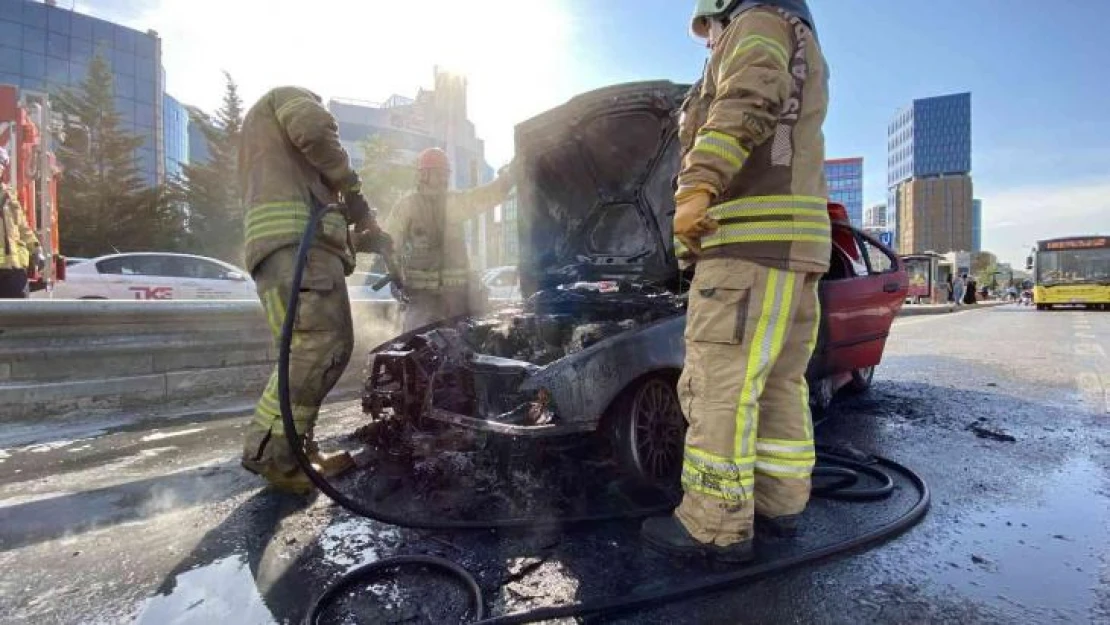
[1071, 271]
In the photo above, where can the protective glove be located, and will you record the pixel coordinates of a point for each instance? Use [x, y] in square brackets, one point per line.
[39, 260]
[398, 293]
[357, 210]
[373, 240]
[691, 218]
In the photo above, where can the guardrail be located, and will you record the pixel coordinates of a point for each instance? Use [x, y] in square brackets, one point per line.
[57, 357]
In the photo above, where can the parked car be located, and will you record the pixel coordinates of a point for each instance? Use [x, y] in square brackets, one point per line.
[502, 283]
[153, 276]
[360, 287]
[597, 346]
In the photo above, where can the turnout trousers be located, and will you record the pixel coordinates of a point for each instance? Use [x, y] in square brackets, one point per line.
[323, 339]
[750, 332]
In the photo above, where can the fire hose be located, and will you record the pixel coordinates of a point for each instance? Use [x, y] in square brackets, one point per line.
[846, 472]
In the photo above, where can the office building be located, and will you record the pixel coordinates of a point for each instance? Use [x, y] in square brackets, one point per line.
[845, 180]
[47, 48]
[436, 117]
[198, 143]
[874, 217]
[930, 140]
[934, 215]
[977, 225]
[175, 118]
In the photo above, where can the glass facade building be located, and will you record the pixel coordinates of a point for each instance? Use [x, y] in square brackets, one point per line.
[977, 225]
[845, 179]
[176, 122]
[932, 137]
[928, 139]
[47, 49]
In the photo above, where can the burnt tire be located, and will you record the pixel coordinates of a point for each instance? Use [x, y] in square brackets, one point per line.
[861, 380]
[821, 395]
[648, 430]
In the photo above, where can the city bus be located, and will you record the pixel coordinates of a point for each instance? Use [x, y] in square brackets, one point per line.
[1071, 271]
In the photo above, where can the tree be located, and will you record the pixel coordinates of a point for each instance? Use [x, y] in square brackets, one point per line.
[104, 202]
[211, 188]
[385, 178]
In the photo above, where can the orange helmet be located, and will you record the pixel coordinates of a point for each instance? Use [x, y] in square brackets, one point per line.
[433, 158]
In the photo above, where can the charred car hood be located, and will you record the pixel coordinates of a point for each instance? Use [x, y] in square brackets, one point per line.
[595, 187]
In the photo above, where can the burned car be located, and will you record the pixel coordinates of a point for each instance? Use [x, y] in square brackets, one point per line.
[597, 344]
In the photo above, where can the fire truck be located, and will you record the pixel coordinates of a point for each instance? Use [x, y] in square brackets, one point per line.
[27, 131]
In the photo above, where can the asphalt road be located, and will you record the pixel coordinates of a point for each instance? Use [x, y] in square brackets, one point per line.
[1004, 411]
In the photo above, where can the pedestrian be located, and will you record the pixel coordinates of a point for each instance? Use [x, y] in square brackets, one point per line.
[291, 165]
[958, 290]
[427, 227]
[969, 291]
[752, 212]
[21, 246]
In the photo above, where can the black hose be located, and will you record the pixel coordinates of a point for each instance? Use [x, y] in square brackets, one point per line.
[847, 471]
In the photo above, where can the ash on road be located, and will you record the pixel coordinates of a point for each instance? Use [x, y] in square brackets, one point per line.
[1004, 411]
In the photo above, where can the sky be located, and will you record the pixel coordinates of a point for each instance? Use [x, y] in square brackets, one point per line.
[1036, 70]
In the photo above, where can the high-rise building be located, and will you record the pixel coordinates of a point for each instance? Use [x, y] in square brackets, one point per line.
[930, 140]
[47, 48]
[874, 217]
[434, 118]
[845, 178]
[977, 225]
[176, 123]
[934, 214]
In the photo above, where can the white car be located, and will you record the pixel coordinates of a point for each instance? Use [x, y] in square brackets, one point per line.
[153, 276]
[502, 283]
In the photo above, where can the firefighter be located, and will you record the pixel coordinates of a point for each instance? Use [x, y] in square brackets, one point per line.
[752, 212]
[427, 227]
[291, 164]
[21, 246]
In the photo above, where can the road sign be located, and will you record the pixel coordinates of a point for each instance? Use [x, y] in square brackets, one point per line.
[887, 238]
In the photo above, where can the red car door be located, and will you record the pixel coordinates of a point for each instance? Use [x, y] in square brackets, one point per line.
[860, 298]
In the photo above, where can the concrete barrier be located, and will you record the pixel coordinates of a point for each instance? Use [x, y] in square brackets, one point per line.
[57, 357]
[912, 310]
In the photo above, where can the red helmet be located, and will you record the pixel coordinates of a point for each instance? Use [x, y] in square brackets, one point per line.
[433, 158]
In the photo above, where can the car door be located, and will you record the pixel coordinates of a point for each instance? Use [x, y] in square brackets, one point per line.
[859, 304]
[213, 280]
[118, 277]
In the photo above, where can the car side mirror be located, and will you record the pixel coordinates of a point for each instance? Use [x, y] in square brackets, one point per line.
[235, 276]
[1029, 263]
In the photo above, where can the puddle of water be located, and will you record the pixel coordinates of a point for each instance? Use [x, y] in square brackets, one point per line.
[157, 436]
[1048, 556]
[221, 592]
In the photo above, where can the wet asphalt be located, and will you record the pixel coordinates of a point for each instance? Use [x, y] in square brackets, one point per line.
[1005, 412]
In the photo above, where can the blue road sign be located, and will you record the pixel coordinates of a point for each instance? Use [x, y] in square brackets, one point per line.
[886, 238]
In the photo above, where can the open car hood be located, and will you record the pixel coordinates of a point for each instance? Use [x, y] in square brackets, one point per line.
[595, 187]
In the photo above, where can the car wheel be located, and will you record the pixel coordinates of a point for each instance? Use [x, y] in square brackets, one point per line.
[1041, 307]
[648, 431]
[861, 380]
[821, 395]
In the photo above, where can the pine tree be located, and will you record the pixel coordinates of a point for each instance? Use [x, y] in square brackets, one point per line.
[211, 188]
[385, 180]
[104, 202]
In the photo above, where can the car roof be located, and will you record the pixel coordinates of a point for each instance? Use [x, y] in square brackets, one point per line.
[98, 259]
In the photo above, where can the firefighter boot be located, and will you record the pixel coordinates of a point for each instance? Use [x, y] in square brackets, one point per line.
[669, 536]
[270, 457]
[777, 527]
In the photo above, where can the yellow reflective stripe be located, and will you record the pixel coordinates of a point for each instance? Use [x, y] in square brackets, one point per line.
[274, 311]
[733, 491]
[779, 444]
[728, 211]
[760, 238]
[722, 145]
[717, 465]
[811, 344]
[752, 42]
[750, 388]
[778, 470]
